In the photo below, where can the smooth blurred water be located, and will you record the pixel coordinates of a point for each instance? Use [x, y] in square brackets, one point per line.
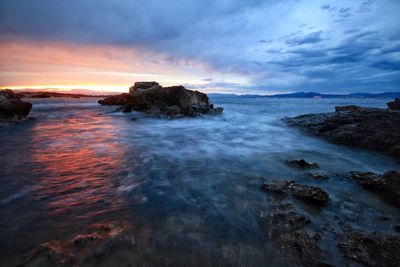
[189, 186]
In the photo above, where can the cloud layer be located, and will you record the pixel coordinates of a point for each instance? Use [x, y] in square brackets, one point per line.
[248, 46]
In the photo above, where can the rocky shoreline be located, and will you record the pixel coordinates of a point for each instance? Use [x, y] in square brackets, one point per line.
[155, 100]
[12, 108]
[371, 128]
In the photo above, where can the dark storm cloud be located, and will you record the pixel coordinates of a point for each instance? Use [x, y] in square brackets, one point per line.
[279, 45]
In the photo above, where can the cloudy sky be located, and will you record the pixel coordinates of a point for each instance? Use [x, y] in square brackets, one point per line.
[253, 46]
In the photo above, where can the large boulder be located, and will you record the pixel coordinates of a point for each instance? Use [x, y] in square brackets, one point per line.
[12, 108]
[152, 99]
[394, 105]
[370, 128]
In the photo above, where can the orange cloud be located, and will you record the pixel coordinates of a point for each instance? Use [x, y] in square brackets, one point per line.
[27, 64]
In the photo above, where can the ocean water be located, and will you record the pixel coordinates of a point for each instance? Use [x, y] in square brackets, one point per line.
[189, 187]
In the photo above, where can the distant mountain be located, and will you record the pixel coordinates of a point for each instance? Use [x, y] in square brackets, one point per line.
[315, 95]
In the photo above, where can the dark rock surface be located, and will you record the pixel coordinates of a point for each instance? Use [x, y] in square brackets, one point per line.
[152, 99]
[116, 100]
[12, 108]
[96, 241]
[387, 184]
[395, 105]
[370, 128]
[375, 249]
[301, 163]
[309, 193]
[318, 175]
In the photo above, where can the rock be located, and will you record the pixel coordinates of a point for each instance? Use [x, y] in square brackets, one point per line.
[394, 105]
[141, 86]
[318, 176]
[96, 240]
[124, 109]
[373, 249]
[347, 108]
[303, 164]
[116, 100]
[370, 128]
[281, 219]
[309, 193]
[154, 100]
[12, 108]
[387, 184]
[300, 248]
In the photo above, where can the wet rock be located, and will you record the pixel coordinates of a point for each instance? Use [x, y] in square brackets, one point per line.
[373, 249]
[387, 184]
[309, 193]
[154, 100]
[12, 108]
[124, 109]
[281, 219]
[301, 248]
[370, 128]
[318, 176]
[97, 240]
[301, 163]
[394, 105]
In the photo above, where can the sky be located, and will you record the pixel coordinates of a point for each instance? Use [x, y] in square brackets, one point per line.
[227, 46]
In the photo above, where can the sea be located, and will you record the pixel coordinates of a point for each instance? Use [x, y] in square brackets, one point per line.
[190, 187]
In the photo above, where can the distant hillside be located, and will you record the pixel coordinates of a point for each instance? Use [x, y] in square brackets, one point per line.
[315, 95]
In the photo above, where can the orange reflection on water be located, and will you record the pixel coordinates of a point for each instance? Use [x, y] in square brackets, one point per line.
[80, 159]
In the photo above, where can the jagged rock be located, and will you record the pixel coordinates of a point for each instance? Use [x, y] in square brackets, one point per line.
[370, 128]
[309, 193]
[281, 219]
[95, 241]
[394, 105]
[12, 108]
[387, 184]
[374, 249]
[174, 101]
[300, 248]
[301, 163]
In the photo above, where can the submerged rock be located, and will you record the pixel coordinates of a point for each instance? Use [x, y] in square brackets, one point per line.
[301, 163]
[309, 193]
[318, 175]
[12, 108]
[370, 128]
[394, 105]
[387, 184]
[301, 248]
[281, 219]
[374, 249]
[95, 241]
[174, 101]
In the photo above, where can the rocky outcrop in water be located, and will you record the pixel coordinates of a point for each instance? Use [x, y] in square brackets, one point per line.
[387, 185]
[312, 194]
[303, 164]
[374, 249]
[12, 108]
[155, 100]
[395, 105]
[370, 128]
[82, 250]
